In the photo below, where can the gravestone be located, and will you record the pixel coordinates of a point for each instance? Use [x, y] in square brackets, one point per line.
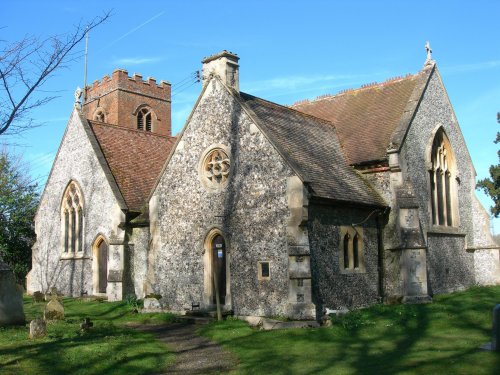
[38, 328]
[38, 296]
[54, 310]
[86, 325]
[152, 305]
[11, 298]
[52, 294]
[495, 342]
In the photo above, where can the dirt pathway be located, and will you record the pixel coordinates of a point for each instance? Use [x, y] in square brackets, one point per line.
[194, 354]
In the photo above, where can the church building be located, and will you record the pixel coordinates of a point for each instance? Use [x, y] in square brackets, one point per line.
[347, 200]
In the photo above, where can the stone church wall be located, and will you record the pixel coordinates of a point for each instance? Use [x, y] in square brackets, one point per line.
[75, 161]
[136, 263]
[333, 288]
[251, 212]
[449, 265]
[393, 283]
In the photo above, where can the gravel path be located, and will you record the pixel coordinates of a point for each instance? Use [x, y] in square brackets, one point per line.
[194, 354]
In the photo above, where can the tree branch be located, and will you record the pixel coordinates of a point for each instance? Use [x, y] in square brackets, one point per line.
[30, 63]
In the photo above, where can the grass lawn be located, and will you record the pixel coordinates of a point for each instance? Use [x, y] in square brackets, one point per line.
[109, 347]
[438, 338]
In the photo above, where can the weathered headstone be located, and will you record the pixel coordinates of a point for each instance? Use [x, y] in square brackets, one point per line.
[152, 305]
[86, 325]
[54, 310]
[11, 298]
[38, 296]
[495, 340]
[52, 294]
[38, 328]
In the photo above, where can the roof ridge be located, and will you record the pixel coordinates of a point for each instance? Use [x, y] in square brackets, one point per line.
[363, 87]
[121, 127]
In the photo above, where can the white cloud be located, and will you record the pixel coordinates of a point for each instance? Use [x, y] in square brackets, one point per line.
[130, 61]
[307, 85]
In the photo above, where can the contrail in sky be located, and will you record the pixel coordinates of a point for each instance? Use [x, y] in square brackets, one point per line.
[135, 29]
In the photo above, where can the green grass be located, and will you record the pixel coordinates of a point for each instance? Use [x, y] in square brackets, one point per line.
[108, 348]
[438, 338]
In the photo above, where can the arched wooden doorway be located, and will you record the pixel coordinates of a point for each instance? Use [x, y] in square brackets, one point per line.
[100, 265]
[219, 268]
[216, 273]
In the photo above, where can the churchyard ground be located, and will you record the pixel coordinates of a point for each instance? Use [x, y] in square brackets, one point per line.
[439, 338]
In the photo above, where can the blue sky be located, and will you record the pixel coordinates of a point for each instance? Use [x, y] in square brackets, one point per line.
[289, 50]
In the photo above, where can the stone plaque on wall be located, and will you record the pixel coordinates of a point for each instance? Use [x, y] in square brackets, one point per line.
[115, 276]
[414, 272]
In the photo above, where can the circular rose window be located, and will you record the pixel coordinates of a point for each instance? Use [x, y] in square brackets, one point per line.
[215, 168]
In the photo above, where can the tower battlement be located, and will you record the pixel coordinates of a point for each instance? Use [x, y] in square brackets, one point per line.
[130, 101]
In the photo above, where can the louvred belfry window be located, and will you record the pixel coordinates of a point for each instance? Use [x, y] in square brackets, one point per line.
[145, 120]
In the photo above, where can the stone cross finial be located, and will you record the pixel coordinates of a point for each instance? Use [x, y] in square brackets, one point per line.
[429, 50]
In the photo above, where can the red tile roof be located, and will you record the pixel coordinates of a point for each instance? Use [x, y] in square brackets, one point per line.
[134, 157]
[365, 118]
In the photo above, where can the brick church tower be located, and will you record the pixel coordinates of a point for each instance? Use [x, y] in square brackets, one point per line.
[130, 102]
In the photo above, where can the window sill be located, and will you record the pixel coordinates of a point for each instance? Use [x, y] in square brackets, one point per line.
[353, 271]
[68, 256]
[438, 229]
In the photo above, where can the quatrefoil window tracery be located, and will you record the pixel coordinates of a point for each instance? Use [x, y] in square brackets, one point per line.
[216, 167]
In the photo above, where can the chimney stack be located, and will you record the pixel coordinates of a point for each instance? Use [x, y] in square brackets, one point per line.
[225, 65]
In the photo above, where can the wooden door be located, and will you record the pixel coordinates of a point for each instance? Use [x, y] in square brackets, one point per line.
[219, 267]
[102, 260]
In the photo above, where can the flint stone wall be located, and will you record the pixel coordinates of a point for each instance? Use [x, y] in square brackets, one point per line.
[450, 266]
[393, 282]
[332, 288]
[136, 263]
[251, 211]
[75, 161]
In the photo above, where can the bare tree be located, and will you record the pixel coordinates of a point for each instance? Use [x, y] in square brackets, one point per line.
[26, 65]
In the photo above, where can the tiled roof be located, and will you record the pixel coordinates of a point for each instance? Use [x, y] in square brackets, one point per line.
[134, 157]
[365, 118]
[312, 148]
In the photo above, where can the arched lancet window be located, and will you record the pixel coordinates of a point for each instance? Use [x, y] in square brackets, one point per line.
[346, 251]
[355, 250]
[442, 175]
[145, 119]
[351, 250]
[72, 219]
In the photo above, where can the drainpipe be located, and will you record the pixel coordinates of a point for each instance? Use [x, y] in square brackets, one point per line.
[380, 243]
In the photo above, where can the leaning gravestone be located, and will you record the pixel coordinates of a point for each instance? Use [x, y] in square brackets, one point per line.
[11, 298]
[495, 343]
[54, 310]
[38, 328]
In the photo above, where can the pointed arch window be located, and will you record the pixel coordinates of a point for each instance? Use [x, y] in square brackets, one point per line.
[351, 251]
[72, 219]
[145, 119]
[442, 176]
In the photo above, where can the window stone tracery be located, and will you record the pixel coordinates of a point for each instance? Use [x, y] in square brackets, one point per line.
[442, 174]
[215, 168]
[72, 219]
